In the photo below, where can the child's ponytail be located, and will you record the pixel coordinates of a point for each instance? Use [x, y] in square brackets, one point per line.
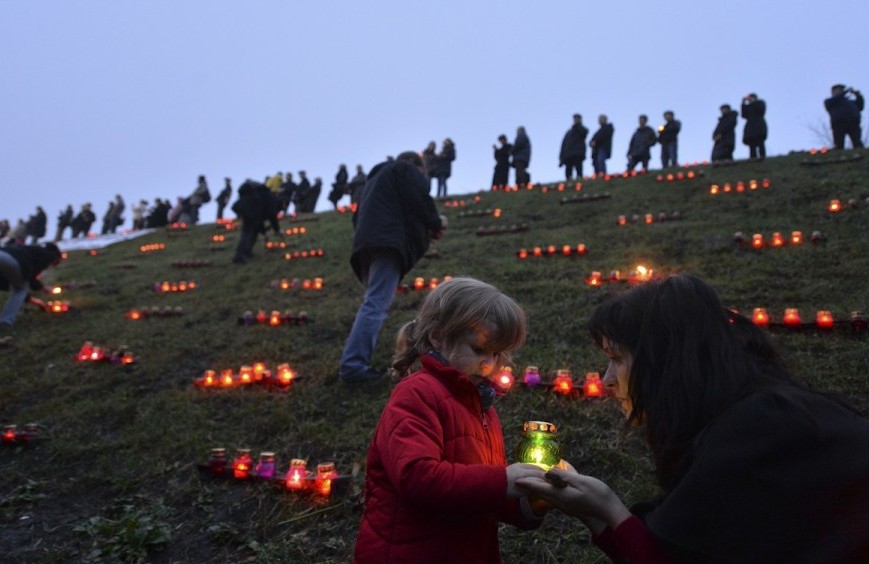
[406, 348]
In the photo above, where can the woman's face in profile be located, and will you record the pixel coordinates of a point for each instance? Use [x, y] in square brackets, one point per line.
[618, 372]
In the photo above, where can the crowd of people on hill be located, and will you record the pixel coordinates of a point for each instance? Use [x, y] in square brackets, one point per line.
[844, 107]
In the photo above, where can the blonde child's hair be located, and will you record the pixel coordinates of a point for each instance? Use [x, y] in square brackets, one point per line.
[454, 309]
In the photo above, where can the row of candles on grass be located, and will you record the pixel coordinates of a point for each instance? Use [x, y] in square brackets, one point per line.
[57, 306]
[835, 206]
[273, 319]
[582, 198]
[73, 285]
[591, 387]
[420, 283]
[739, 186]
[172, 287]
[226, 224]
[496, 213]
[823, 320]
[776, 239]
[649, 218]
[639, 275]
[154, 312]
[297, 477]
[312, 253]
[462, 203]
[13, 435]
[306, 284]
[152, 247]
[257, 373]
[90, 352]
[678, 176]
[552, 250]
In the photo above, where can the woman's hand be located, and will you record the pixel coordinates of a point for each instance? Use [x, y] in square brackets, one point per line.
[583, 497]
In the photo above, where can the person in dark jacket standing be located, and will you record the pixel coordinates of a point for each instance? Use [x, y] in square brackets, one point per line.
[724, 136]
[754, 134]
[521, 153]
[64, 220]
[430, 161]
[501, 177]
[339, 187]
[81, 225]
[223, 197]
[602, 144]
[641, 143]
[445, 165]
[845, 115]
[20, 267]
[37, 225]
[395, 221]
[668, 137]
[573, 149]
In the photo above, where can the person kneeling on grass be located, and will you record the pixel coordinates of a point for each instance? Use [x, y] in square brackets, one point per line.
[754, 467]
[20, 267]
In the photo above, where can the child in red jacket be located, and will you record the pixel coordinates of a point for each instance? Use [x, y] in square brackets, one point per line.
[437, 480]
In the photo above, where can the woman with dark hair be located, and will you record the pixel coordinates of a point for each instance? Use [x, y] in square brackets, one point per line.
[753, 466]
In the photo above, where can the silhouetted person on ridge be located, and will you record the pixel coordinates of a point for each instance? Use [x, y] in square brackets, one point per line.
[501, 176]
[668, 137]
[602, 144]
[754, 134]
[724, 136]
[639, 148]
[845, 115]
[573, 149]
[223, 197]
[521, 154]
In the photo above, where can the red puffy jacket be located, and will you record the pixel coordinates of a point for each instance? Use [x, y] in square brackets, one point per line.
[436, 481]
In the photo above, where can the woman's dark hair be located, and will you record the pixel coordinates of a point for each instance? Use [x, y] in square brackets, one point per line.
[692, 359]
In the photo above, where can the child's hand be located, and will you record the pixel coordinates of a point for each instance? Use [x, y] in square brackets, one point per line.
[517, 471]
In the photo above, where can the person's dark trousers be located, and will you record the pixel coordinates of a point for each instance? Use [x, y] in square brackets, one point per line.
[521, 172]
[669, 154]
[757, 151]
[501, 176]
[246, 241]
[220, 208]
[852, 130]
[571, 164]
[633, 162]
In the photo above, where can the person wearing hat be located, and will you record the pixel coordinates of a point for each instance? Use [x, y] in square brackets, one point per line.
[844, 113]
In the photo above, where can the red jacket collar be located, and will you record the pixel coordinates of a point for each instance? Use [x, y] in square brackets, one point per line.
[454, 379]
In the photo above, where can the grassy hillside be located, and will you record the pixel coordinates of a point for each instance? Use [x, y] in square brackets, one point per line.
[116, 476]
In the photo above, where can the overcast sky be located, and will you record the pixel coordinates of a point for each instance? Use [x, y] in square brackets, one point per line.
[102, 97]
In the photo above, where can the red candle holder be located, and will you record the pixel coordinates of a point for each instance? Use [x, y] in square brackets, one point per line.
[505, 379]
[592, 387]
[757, 241]
[594, 279]
[241, 465]
[563, 383]
[777, 240]
[797, 238]
[824, 320]
[295, 478]
[760, 317]
[792, 317]
[285, 375]
[835, 206]
[325, 474]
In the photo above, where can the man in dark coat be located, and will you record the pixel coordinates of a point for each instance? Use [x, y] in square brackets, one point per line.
[521, 153]
[64, 220]
[37, 225]
[81, 225]
[639, 149]
[602, 144]
[754, 134]
[223, 197]
[573, 149]
[395, 221]
[339, 187]
[668, 137]
[724, 135]
[845, 115]
[287, 193]
[256, 205]
[20, 267]
[357, 183]
[502, 162]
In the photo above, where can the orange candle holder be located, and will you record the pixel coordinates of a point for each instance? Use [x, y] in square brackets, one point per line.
[241, 465]
[505, 378]
[325, 474]
[594, 279]
[760, 317]
[824, 320]
[295, 478]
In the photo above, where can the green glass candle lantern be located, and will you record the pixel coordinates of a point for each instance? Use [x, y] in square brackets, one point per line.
[538, 446]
